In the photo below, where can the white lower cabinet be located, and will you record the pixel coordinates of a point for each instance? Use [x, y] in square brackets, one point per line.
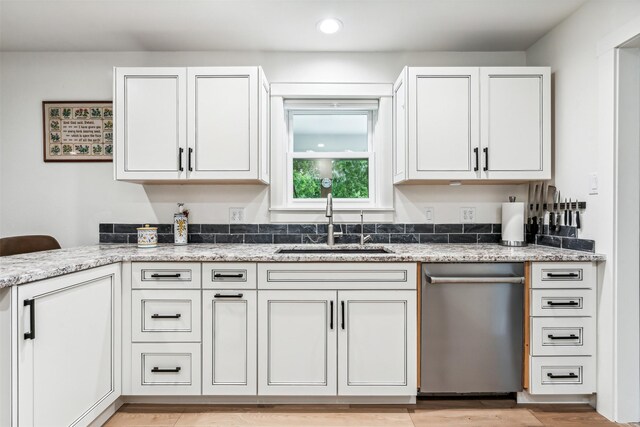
[165, 368]
[377, 343]
[563, 328]
[320, 342]
[229, 342]
[297, 343]
[69, 347]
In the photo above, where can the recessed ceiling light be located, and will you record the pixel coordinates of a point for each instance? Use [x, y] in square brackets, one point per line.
[321, 145]
[330, 25]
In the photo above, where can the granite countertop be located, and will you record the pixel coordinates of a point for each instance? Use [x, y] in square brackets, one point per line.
[20, 269]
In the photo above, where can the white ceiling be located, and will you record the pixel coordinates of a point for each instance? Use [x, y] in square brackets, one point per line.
[282, 25]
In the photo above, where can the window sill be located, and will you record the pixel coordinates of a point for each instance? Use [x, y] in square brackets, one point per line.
[341, 215]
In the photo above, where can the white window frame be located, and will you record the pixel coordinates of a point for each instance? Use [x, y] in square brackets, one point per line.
[369, 155]
[299, 96]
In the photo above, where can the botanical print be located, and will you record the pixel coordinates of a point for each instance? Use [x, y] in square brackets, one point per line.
[81, 149]
[78, 130]
[81, 113]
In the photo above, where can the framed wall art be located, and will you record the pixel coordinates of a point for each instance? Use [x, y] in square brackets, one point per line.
[77, 131]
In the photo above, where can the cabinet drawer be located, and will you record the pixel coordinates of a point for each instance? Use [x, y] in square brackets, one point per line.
[162, 315]
[344, 275]
[563, 375]
[228, 275]
[563, 302]
[165, 369]
[563, 336]
[563, 275]
[165, 275]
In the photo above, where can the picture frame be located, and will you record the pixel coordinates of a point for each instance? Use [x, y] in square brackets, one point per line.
[77, 131]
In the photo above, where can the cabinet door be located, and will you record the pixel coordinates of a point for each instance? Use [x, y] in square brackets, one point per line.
[150, 122]
[400, 128]
[443, 123]
[297, 343]
[516, 122]
[69, 369]
[377, 343]
[223, 123]
[229, 363]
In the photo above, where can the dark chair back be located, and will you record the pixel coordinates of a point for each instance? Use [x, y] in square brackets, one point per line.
[25, 244]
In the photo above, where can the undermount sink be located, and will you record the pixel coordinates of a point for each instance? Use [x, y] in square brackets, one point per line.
[345, 250]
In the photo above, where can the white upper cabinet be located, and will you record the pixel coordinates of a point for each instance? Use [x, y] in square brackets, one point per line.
[516, 122]
[151, 123]
[193, 124]
[470, 123]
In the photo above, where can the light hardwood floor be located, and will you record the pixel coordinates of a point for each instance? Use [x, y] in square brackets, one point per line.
[431, 413]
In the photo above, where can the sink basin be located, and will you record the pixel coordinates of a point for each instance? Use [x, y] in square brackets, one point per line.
[346, 250]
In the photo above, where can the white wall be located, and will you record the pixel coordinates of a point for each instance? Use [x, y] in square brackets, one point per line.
[69, 200]
[584, 143]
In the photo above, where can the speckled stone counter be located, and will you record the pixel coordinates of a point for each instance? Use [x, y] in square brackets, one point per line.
[20, 269]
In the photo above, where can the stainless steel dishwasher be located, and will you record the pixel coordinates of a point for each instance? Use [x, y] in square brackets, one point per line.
[472, 317]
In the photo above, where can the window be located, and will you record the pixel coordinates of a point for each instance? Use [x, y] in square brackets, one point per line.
[323, 146]
[331, 138]
[330, 151]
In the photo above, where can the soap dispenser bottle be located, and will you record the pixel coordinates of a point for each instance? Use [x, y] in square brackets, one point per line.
[180, 225]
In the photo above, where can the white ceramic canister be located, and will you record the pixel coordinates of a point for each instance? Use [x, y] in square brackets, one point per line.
[147, 236]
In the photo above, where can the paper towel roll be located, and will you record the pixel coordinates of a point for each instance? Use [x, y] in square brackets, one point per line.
[513, 223]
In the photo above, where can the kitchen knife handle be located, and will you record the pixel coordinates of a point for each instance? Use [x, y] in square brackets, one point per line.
[486, 158]
[477, 167]
[578, 220]
[566, 217]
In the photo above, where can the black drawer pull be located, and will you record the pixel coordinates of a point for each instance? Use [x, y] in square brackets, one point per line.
[164, 276]
[563, 337]
[156, 369]
[229, 276]
[477, 166]
[331, 316]
[31, 303]
[563, 275]
[166, 316]
[558, 377]
[228, 296]
[569, 303]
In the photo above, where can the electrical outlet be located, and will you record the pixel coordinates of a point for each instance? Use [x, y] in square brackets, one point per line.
[236, 216]
[467, 215]
[429, 215]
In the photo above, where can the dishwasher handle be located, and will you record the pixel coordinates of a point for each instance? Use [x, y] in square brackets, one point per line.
[450, 279]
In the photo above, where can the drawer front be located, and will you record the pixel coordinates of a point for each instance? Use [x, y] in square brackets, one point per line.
[229, 275]
[563, 275]
[563, 336]
[165, 369]
[563, 302]
[366, 276]
[162, 315]
[165, 275]
[563, 375]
